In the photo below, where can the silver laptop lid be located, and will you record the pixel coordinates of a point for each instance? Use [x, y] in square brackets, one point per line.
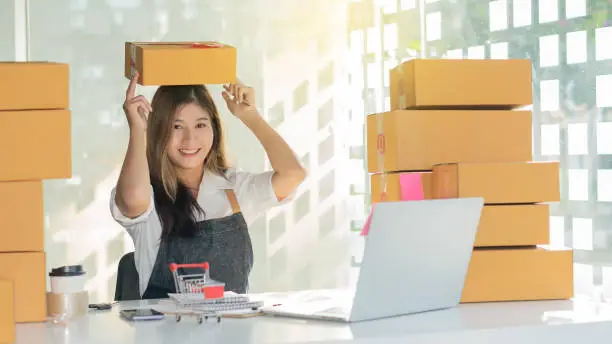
[416, 257]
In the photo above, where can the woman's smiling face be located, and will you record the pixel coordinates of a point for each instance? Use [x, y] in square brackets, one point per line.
[191, 137]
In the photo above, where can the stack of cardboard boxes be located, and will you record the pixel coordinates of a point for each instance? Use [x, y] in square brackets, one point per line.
[455, 129]
[34, 146]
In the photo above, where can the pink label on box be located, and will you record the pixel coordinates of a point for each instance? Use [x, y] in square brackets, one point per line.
[411, 187]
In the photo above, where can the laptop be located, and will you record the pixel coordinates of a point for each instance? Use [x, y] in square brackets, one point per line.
[415, 260]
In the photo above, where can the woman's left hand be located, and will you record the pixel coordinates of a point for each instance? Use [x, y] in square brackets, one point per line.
[240, 99]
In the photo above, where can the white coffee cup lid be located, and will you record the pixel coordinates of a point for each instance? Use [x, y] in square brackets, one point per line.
[67, 271]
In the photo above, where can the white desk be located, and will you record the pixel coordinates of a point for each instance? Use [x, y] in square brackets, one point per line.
[555, 322]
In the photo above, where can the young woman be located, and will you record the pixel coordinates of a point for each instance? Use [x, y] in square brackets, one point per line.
[176, 195]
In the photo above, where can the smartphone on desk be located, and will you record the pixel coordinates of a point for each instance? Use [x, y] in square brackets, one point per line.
[141, 314]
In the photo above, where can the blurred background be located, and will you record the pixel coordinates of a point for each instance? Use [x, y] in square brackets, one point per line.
[319, 67]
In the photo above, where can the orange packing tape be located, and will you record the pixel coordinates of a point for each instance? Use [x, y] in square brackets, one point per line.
[400, 87]
[132, 60]
[381, 147]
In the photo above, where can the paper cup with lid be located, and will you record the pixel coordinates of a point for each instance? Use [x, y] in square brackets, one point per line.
[67, 279]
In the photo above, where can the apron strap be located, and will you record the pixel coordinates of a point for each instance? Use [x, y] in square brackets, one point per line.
[231, 197]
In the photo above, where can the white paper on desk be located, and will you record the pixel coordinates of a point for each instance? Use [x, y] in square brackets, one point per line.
[311, 301]
[308, 296]
[172, 308]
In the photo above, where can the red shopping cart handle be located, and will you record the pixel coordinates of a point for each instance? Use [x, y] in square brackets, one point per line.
[174, 266]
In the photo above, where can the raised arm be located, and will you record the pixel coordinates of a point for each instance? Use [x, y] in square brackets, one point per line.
[288, 172]
[133, 193]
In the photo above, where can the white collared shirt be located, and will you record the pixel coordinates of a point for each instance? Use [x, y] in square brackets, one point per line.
[253, 191]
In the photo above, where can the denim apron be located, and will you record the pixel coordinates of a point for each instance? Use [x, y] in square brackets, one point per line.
[224, 243]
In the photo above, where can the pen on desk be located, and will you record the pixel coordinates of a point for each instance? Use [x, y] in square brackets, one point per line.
[102, 306]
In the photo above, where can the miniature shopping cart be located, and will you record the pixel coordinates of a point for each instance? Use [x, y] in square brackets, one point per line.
[191, 288]
[200, 283]
[199, 295]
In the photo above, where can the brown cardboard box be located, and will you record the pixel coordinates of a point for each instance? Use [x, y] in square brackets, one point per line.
[180, 63]
[35, 145]
[394, 188]
[445, 83]
[21, 216]
[514, 225]
[519, 274]
[34, 86]
[7, 312]
[500, 182]
[27, 271]
[413, 140]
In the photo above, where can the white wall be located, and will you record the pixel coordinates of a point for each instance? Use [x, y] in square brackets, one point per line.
[7, 30]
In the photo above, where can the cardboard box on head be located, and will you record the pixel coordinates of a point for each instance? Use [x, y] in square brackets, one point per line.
[180, 63]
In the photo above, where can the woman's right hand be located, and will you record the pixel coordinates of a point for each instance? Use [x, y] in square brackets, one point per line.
[136, 108]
